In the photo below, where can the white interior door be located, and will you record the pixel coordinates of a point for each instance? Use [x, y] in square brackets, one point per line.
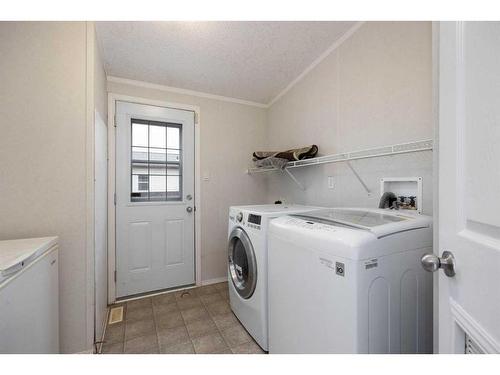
[154, 198]
[101, 225]
[469, 186]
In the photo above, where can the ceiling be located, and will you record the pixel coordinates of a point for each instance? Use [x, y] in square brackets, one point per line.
[251, 61]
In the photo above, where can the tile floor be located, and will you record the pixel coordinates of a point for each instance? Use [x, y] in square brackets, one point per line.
[197, 320]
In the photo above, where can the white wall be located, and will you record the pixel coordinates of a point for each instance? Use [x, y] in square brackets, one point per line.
[229, 133]
[373, 90]
[43, 153]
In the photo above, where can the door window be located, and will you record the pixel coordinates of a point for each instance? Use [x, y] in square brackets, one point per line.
[156, 161]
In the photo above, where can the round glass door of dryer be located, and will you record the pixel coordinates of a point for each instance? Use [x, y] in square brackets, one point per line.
[242, 263]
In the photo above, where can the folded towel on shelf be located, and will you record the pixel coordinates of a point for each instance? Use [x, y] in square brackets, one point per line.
[271, 162]
[288, 155]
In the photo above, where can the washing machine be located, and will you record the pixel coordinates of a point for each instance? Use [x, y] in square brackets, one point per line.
[247, 263]
[350, 281]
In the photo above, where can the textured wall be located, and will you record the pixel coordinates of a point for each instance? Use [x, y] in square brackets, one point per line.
[229, 134]
[373, 90]
[42, 152]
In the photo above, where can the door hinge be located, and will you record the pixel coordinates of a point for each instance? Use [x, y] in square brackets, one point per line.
[114, 199]
[114, 120]
[196, 117]
[115, 276]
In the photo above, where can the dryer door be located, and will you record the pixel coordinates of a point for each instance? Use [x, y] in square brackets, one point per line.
[242, 263]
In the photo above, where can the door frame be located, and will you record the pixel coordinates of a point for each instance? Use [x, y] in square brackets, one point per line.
[112, 99]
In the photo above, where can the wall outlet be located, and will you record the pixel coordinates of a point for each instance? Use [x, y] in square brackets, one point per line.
[330, 182]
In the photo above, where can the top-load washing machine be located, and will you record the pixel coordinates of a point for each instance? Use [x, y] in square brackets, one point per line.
[247, 263]
[350, 281]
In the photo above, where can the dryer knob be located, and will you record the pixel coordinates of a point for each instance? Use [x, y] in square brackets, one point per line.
[239, 217]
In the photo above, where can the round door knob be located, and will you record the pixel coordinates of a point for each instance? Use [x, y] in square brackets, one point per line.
[432, 263]
[189, 209]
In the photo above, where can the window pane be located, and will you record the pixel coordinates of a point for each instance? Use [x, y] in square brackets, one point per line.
[173, 170]
[173, 156]
[140, 169]
[139, 135]
[139, 188]
[139, 154]
[158, 169]
[173, 183]
[173, 137]
[157, 136]
[157, 184]
[157, 155]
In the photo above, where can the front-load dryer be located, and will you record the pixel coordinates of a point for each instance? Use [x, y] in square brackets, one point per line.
[247, 263]
[350, 281]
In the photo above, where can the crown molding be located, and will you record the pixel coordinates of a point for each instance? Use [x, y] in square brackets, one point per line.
[178, 90]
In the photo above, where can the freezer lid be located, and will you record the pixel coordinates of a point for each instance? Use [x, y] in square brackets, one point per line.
[379, 222]
[14, 254]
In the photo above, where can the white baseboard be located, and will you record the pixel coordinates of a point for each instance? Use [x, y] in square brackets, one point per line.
[214, 281]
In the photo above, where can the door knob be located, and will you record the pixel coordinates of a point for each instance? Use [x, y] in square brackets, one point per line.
[189, 209]
[432, 263]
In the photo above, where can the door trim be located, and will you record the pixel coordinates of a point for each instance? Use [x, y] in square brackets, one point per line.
[112, 99]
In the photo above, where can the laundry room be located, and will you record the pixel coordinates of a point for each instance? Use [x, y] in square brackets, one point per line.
[248, 186]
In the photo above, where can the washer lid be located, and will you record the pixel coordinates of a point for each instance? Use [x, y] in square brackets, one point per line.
[14, 254]
[379, 222]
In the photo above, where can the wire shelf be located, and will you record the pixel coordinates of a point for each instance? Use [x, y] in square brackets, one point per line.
[401, 148]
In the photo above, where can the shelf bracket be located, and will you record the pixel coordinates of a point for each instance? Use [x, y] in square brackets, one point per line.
[359, 178]
[301, 187]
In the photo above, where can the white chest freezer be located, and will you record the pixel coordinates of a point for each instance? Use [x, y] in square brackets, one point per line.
[29, 296]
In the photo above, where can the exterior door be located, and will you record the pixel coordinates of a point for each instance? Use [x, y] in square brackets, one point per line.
[469, 186]
[154, 198]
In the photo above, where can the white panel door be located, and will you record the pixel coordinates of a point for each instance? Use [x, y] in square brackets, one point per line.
[154, 198]
[469, 185]
[100, 223]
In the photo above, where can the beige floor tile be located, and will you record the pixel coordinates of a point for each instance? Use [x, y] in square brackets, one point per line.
[211, 298]
[115, 333]
[186, 293]
[209, 344]
[248, 348]
[224, 321]
[221, 286]
[189, 303]
[197, 313]
[201, 328]
[142, 345]
[143, 313]
[165, 308]
[137, 328]
[162, 299]
[224, 351]
[207, 289]
[235, 335]
[138, 303]
[112, 348]
[184, 348]
[172, 336]
[218, 308]
[224, 295]
[169, 320]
